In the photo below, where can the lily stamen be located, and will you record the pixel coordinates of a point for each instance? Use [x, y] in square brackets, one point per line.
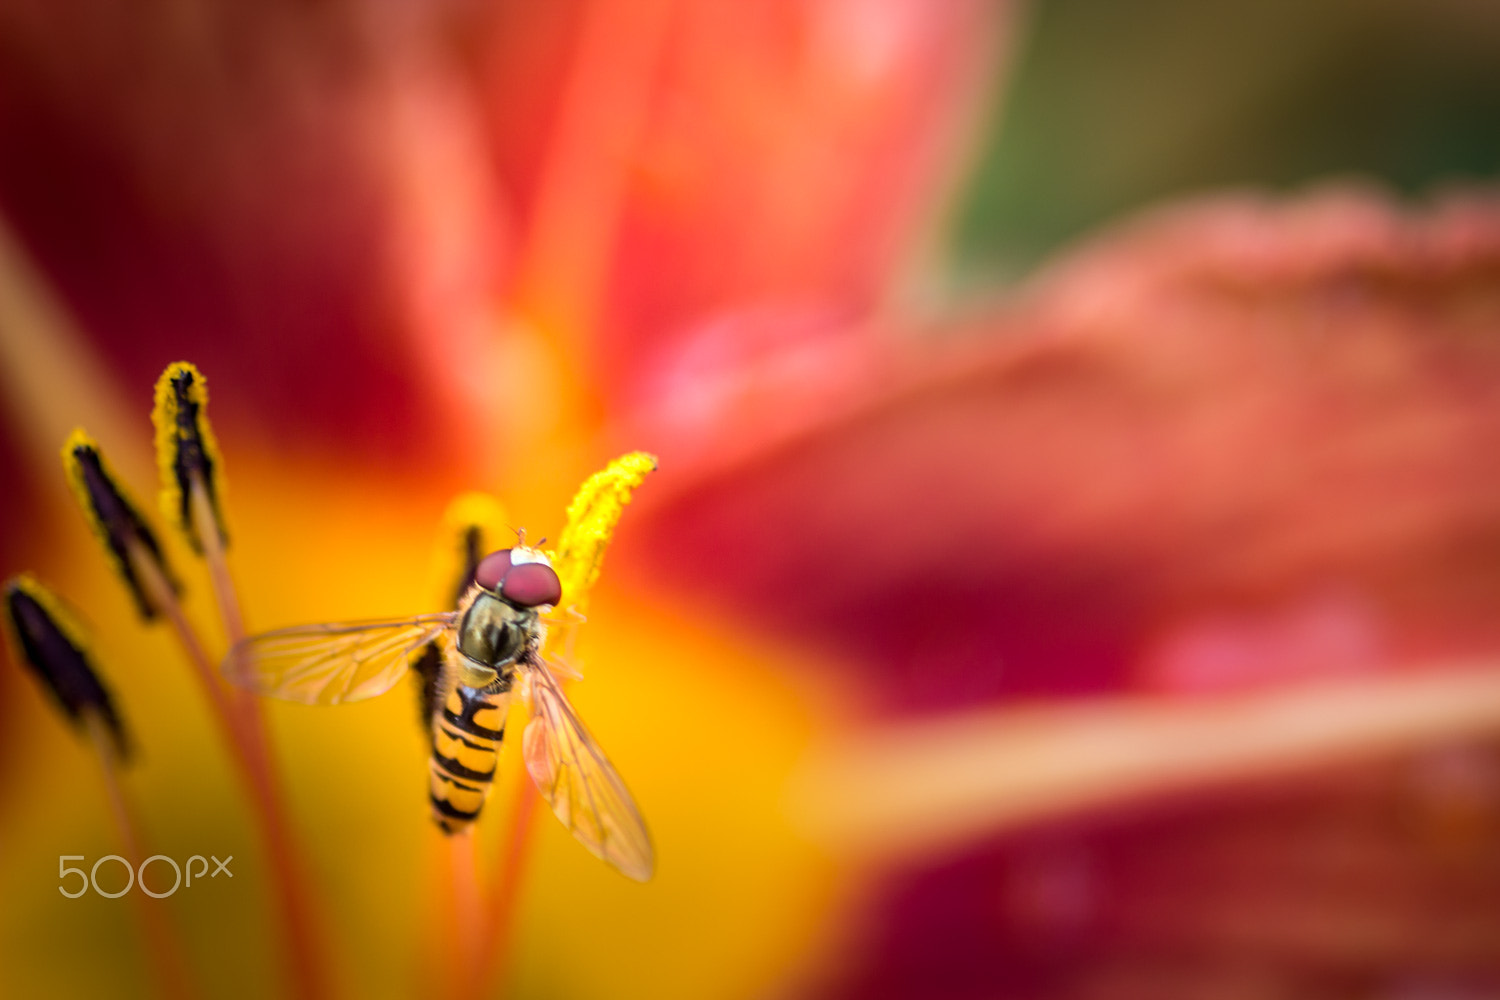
[137, 557]
[192, 482]
[47, 638]
[592, 516]
[133, 547]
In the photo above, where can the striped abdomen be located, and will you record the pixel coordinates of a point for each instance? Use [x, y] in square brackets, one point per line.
[466, 735]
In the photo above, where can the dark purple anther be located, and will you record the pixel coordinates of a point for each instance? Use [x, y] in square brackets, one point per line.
[531, 585]
[492, 569]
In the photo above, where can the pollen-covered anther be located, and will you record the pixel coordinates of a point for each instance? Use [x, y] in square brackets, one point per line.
[49, 641]
[469, 519]
[592, 517]
[130, 542]
[187, 456]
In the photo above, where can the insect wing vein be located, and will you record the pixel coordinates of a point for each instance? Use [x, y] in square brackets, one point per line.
[578, 782]
[332, 663]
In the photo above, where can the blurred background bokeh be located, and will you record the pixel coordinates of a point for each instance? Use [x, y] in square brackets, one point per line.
[1074, 563]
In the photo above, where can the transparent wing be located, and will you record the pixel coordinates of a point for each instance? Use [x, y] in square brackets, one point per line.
[334, 662]
[578, 782]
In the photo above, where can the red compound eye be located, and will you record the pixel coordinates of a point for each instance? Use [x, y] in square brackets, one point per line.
[492, 569]
[531, 585]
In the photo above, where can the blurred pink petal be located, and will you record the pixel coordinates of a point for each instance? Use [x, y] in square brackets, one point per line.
[1230, 445]
[336, 204]
[1372, 882]
[228, 182]
[1217, 410]
[794, 157]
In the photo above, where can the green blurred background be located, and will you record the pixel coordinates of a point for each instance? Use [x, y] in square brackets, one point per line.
[1112, 105]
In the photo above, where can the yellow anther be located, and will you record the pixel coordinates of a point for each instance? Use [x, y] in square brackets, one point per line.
[592, 517]
[474, 510]
[62, 616]
[186, 452]
[116, 520]
[47, 636]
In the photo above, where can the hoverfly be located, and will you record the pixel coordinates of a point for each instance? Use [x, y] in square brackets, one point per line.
[490, 641]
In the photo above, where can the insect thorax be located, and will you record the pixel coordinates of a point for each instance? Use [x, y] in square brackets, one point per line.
[494, 633]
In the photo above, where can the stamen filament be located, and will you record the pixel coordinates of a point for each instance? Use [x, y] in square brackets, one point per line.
[54, 645]
[192, 492]
[505, 888]
[225, 595]
[240, 724]
[163, 946]
[467, 928]
[592, 516]
[158, 590]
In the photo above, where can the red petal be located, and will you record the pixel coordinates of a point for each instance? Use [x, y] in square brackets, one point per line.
[1227, 408]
